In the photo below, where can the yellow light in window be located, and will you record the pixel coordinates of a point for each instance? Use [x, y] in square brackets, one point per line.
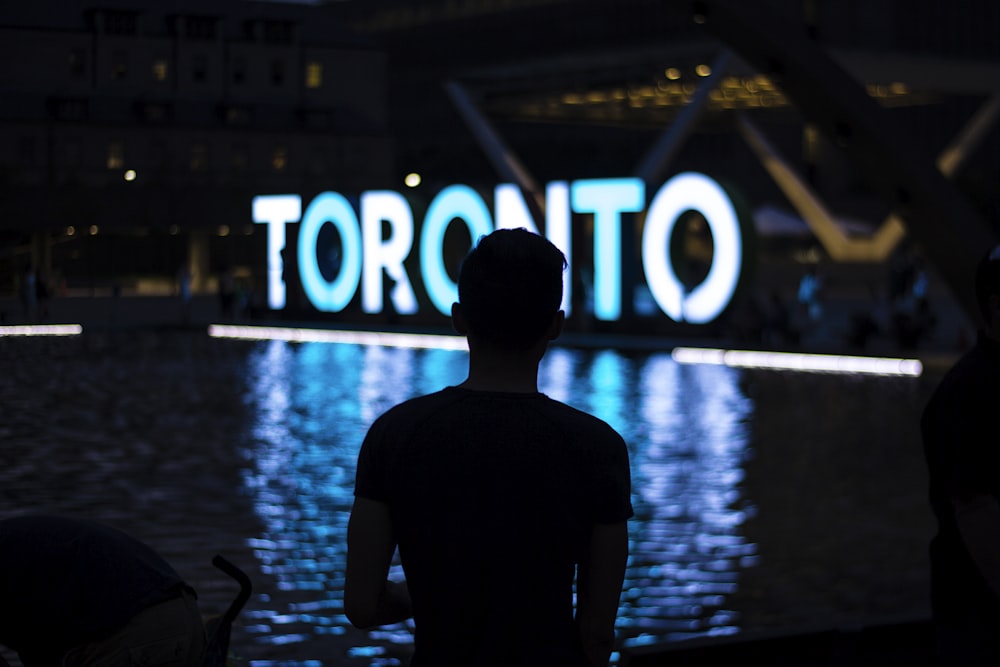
[702, 70]
[412, 180]
[279, 159]
[160, 69]
[93, 230]
[673, 73]
[898, 88]
[314, 74]
[70, 230]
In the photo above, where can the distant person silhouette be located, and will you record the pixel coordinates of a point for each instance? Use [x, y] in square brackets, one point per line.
[496, 495]
[962, 448]
[79, 593]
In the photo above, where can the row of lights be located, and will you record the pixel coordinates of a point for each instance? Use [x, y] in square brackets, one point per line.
[173, 230]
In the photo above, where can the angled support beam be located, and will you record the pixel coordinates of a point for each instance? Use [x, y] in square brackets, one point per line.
[941, 219]
[657, 160]
[500, 155]
[810, 206]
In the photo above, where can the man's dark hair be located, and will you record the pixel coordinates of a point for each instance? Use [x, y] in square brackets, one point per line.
[988, 280]
[510, 287]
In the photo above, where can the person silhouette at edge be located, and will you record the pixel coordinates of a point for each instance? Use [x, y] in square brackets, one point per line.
[75, 592]
[496, 495]
[962, 449]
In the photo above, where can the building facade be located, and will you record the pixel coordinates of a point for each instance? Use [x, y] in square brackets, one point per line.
[134, 135]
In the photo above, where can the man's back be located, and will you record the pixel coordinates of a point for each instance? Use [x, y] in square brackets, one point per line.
[492, 498]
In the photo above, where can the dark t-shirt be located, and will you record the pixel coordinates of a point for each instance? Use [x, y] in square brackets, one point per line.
[492, 498]
[66, 582]
[962, 448]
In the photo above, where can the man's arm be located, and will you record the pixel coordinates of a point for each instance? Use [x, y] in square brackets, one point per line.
[598, 590]
[978, 518]
[369, 598]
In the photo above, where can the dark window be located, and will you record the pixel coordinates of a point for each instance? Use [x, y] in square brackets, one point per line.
[239, 70]
[199, 70]
[78, 63]
[27, 153]
[277, 32]
[200, 28]
[153, 112]
[68, 108]
[277, 72]
[236, 115]
[119, 23]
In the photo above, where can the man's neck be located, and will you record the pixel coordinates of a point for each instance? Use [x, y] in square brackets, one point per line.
[512, 372]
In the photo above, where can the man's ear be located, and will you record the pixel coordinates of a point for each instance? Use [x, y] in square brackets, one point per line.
[458, 319]
[556, 328]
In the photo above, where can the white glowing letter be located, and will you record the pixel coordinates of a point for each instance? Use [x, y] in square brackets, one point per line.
[512, 213]
[389, 254]
[330, 296]
[607, 199]
[511, 209]
[692, 192]
[455, 201]
[274, 211]
[557, 230]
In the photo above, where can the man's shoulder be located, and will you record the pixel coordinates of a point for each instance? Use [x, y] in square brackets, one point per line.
[578, 420]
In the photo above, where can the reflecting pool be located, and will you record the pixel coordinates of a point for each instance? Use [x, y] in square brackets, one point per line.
[763, 499]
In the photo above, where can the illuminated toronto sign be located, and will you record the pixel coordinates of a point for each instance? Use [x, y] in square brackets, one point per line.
[368, 254]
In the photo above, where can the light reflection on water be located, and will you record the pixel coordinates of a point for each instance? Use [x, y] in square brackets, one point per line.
[686, 427]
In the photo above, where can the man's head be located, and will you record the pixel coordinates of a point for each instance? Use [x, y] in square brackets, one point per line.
[988, 289]
[510, 287]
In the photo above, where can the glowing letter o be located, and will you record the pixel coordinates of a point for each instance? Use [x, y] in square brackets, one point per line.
[686, 192]
[333, 296]
[455, 201]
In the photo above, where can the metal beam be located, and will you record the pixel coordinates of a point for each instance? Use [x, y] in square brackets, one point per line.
[950, 231]
[653, 166]
[500, 155]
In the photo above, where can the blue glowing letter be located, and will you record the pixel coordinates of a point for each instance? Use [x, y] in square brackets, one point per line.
[692, 192]
[607, 199]
[274, 211]
[330, 297]
[455, 201]
[389, 254]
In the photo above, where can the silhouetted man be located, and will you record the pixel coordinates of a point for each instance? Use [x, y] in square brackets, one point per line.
[498, 497]
[962, 446]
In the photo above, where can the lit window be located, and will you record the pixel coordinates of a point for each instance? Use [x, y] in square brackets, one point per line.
[314, 75]
[119, 65]
[160, 69]
[279, 159]
[116, 155]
